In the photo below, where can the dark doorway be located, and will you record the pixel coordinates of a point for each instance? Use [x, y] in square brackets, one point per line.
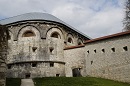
[76, 72]
[27, 75]
[57, 75]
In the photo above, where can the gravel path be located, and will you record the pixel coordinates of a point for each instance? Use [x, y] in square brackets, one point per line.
[27, 82]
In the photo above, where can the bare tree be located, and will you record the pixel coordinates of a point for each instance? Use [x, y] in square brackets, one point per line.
[127, 15]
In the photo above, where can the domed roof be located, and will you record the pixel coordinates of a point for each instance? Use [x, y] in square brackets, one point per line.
[30, 16]
[36, 16]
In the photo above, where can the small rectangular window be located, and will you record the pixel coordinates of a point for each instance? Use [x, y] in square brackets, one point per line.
[52, 64]
[125, 48]
[103, 50]
[113, 49]
[34, 64]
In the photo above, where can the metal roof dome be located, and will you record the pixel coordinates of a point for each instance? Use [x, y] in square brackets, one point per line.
[36, 16]
[30, 16]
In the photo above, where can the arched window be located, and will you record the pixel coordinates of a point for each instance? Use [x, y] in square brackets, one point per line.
[29, 34]
[80, 42]
[55, 35]
[70, 40]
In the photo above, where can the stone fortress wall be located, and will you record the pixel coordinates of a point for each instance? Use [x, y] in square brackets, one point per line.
[36, 49]
[49, 49]
[106, 57]
[3, 54]
[109, 58]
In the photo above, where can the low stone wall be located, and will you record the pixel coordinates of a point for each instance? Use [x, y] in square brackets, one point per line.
[3, 53]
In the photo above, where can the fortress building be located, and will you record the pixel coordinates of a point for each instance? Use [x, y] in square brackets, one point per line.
[41, 45]
[36, 45]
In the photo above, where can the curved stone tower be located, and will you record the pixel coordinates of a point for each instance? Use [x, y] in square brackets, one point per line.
[36, 45]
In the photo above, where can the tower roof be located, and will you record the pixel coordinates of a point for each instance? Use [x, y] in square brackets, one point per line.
[36, 16]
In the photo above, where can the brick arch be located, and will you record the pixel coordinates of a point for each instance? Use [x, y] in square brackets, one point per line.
[30, 28]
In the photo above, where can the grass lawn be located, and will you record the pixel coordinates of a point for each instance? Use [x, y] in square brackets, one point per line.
[13, 82]
[76, 81]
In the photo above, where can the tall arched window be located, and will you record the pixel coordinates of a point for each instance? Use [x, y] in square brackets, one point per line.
[55, 35]
[28, 33]
[70, 40]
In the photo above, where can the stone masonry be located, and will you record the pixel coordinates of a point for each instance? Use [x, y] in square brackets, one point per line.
[3, 54]
[41, 47]
[109, 58]
[36, 48]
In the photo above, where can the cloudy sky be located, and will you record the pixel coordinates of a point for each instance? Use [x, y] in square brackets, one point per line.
[95, 18]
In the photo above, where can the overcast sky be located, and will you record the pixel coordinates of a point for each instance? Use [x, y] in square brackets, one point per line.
[95, 18]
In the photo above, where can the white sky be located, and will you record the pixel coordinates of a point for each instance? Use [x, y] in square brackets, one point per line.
[95, 18]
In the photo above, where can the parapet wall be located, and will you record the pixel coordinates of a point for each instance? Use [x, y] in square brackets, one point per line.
[109, 58]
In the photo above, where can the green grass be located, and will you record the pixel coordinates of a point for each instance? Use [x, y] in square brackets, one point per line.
[13, 82]
[68, 81]
[76, 81]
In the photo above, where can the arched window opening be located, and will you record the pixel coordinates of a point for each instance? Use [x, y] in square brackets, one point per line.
[79, 43]
[70, 40]
[55, 35]
[28, 34]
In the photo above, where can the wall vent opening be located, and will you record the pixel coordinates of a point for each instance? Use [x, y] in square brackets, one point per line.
[103, 50]
[125, 48]
[34, 64]
[91, 62]
[34, 49]
[95, 51]
[88, 51]
[51, 49]
[113, 49]
[51, 64]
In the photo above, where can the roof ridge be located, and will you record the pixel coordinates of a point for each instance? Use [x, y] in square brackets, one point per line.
[108, 36]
